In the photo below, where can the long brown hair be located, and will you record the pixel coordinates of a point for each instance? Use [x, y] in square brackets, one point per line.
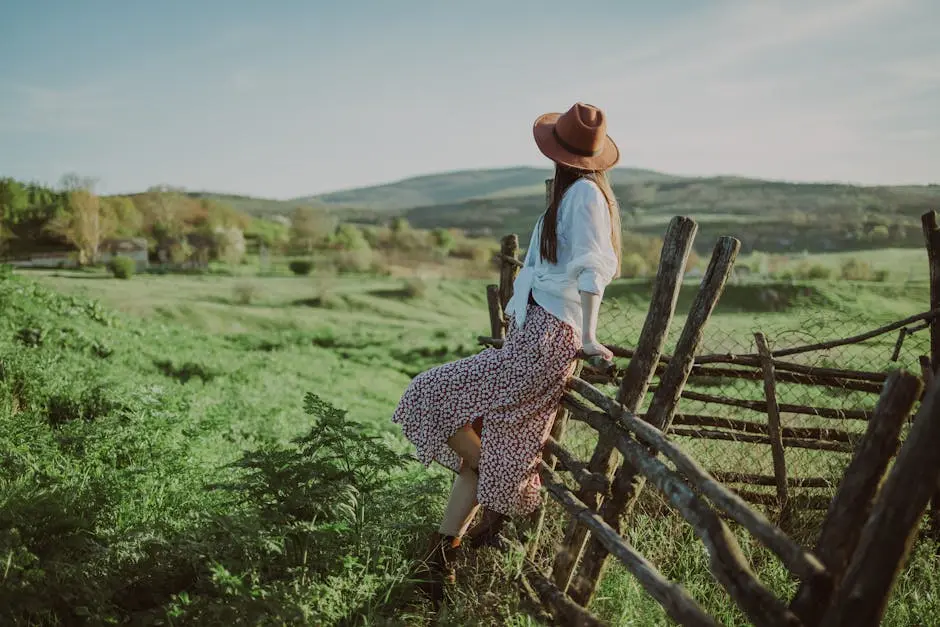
[565, 177]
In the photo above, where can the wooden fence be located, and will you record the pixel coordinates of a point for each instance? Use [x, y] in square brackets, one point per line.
[846, 578]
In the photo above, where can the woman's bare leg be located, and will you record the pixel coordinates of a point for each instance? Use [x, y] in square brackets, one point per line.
[466, 443]
[462, 505]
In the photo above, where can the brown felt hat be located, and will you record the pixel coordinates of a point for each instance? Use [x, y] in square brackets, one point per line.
[577, 138]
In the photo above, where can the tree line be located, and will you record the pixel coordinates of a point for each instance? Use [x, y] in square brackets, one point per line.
[179, 227]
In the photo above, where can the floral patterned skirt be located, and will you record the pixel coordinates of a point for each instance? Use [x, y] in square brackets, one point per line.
[509, 395]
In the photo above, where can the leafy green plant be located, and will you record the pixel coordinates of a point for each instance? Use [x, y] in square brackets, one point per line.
[122, 267]
[301, 267]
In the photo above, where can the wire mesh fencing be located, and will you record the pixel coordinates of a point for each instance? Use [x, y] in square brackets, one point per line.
[824, 396]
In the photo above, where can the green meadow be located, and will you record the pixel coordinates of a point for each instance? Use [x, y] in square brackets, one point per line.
[216, 448]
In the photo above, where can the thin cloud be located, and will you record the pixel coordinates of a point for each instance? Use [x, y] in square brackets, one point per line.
[778, 86]
[36, 108]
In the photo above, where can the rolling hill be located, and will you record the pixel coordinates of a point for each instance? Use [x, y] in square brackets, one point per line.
[766, 215]
[455, 187]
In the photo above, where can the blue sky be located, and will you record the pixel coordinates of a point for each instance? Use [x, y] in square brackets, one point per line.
[282, 98]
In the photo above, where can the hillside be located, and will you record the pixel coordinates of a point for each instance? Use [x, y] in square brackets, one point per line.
[770, 216]
[456, 187]
[255, 206]
[766, 215]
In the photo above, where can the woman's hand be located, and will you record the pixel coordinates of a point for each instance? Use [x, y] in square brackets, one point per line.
[593, 348]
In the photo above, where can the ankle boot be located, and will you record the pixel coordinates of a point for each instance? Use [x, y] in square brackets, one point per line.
[486, 533]
[437, 566]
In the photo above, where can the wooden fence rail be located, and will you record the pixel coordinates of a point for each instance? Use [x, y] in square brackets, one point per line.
[846, 579]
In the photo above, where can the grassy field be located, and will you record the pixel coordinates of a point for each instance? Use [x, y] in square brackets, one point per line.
[150, 472]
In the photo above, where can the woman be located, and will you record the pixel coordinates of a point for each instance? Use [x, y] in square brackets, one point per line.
[486, 417]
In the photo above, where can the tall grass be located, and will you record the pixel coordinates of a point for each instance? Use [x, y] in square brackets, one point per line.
[164, 466]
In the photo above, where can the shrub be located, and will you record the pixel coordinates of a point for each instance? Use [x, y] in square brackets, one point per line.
[415, 288]
[632, 266]
[360, 260]
[857, 270]
[122, 267]
[245, 293]
[443, 239]
[817, 271]
[811, 271]
[301, 267]
[349, 237]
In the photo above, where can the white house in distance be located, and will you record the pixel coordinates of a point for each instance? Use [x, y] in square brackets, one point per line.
[134, 247]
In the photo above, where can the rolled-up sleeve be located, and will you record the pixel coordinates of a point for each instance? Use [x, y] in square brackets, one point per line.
[593, 260]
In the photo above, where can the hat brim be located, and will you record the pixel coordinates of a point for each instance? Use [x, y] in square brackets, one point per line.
[608, 157]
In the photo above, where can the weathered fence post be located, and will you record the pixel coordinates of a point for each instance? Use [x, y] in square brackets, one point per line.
[497, 321]
[932, 241]
[628, 480]
[887, 536]
[675, 253]
[509, 246]
[773, 425]
[850, 507]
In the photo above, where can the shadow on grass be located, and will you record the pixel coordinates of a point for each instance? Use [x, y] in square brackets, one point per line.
[185, 372]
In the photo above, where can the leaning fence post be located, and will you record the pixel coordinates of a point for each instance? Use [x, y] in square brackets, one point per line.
[851, 505]
[888, 535]
[677, 246]
[773, 424]
[628, 480]
[932, 242]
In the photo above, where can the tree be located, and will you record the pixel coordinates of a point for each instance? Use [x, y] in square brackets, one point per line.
[349, 237]
[25, 210]
[82, 222]
[166, 212]
[14, 200]
[127, 218]
[310, 228]
[230, 244]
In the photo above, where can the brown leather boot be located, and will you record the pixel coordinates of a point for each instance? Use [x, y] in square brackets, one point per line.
[437, 566]
[486, 532]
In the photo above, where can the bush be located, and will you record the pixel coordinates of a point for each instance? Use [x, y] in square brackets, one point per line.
[301, 267]
[811, 271]
[350, 237]
[443, 239]
[817, 271]
[416, 288]
[122, 267]
[632, 266]
[355, 260]
[245, 293]
[857, 270]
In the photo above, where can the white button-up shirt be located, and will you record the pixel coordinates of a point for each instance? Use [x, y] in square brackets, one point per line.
[586, 258]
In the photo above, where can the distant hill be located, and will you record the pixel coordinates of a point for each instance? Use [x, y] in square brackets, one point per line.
[255, 206]
[765, 215]
[455, 187]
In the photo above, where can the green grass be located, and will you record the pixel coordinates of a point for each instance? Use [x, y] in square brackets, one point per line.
[125, 404]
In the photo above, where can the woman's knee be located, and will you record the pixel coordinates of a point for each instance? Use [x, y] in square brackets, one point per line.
[466, 443]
